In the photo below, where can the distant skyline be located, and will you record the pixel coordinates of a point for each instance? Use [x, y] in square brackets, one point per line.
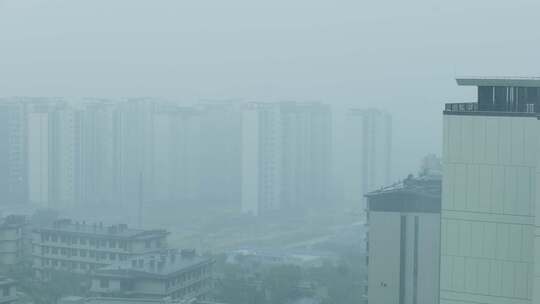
[395, 55]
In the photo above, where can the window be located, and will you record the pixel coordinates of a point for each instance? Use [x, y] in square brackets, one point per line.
[92, 253]
[5, 291]
[104, 283]
[83, 253]
[83, 241]
[112, 256]
[148, 244]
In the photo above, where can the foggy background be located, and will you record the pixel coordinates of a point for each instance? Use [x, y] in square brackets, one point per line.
[394, 55]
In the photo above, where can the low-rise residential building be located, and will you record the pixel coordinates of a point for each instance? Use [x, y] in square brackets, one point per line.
[170, 274]
[8, 290]
[81, 247]
[12, 240]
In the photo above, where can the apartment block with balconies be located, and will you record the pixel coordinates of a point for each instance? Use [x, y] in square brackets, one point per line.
[8, 290]
[81, 247]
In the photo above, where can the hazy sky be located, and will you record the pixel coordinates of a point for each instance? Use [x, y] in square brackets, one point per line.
[397, 55]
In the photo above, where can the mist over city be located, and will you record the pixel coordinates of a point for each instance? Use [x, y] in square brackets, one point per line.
[279, 152]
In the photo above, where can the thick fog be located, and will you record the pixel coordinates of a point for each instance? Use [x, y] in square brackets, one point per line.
[393, 55]
[267, 152]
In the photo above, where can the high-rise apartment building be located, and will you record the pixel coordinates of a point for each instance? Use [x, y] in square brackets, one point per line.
[51, 153]
[366, 160]
[13, 153]
[489, 229]
[96, 153]
[219, 153]
[134, 132]
[286, 158]
[404, 241]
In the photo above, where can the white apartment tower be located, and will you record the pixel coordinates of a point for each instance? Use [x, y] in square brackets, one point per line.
[489, 228]
[96, 153]
[367, 157]
[51, 153]
[285, 156]
[261, 158]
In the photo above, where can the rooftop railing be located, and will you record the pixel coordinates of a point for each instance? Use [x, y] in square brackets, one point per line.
[461, 107]
[474, 107]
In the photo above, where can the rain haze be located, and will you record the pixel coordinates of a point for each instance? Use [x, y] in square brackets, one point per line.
[190, 91]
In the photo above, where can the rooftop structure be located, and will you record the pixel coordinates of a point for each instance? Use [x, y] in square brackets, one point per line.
[178, 275]
[500, 94]
[422, 194]
[163, 264]
[526, 82]
[109, 300]
[99, 230]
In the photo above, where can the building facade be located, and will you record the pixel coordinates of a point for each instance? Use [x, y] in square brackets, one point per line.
[166, 274]
[13, 240]
[8, 290]
[489, 234]
[367, 156]
[96, 153]
[286, 156]
[81, 248]
[403, 242]
[51, 153]
[13, 153]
